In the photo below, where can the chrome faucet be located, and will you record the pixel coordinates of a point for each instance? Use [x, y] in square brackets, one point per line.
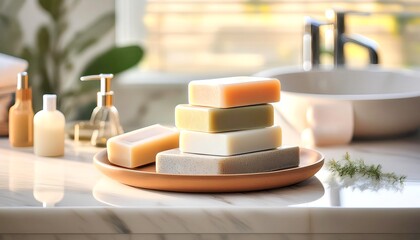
[312, 48]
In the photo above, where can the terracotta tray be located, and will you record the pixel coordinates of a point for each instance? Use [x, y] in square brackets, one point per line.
[146, 177]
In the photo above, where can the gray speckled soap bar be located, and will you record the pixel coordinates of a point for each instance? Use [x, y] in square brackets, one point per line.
[176, 162]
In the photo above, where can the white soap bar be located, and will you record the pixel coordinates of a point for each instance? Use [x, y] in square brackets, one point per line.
[140, 147]
[175, 162]
[230, 143]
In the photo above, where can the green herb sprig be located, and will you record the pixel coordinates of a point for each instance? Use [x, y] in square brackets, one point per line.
[364, 176]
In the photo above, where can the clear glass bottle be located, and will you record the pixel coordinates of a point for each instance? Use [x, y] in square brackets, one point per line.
[105, 118]
[21, 114]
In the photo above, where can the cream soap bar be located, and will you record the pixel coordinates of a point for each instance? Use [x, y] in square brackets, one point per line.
[205, 119]
[175, 162]
[233, 91]
[140, 147]
[230, 143]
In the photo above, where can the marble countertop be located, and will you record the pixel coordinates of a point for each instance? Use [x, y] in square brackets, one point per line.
[67, 195]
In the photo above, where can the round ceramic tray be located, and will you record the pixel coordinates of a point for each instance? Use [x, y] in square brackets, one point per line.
[146, 177]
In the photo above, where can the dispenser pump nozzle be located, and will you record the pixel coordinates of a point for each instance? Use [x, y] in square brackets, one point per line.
[105, 93]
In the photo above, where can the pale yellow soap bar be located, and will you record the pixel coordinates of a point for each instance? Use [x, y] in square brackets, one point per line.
[206, 119]
[230, 143]
[233, 91]
[139, 147]
[176, 162]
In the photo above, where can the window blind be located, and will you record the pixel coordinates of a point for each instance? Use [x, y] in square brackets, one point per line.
[245, 36]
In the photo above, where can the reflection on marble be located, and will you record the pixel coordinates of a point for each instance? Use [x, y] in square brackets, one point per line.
[49, 182]
[29, 180]
[362, 183]
[348, 197]
[116, 194]
[20, 172]
[337, 186]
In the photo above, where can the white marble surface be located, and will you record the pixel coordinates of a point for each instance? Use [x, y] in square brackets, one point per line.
[67, 197]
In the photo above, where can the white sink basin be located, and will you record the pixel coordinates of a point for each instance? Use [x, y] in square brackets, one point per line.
[384, 103]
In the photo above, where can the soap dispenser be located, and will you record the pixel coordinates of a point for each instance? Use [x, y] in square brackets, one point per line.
[21, 114]
[105, 118]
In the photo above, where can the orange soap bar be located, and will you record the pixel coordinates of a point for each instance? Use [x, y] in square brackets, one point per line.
[233, 91]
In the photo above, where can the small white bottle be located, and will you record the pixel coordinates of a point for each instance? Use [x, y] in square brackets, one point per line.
[49, 124]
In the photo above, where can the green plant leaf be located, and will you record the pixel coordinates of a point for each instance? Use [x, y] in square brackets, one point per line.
[12, 8]
[62, 26]
[11, 33]
[91, 34]
[85, 111]
[4, 20]
[54, 8]
[68, 66]
[115, 60]
[43, 39]
[28, 55]
[40, 56]
[10, 37]
[46, 86]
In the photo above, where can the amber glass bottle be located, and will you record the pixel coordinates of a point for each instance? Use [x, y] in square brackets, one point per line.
[21, 114]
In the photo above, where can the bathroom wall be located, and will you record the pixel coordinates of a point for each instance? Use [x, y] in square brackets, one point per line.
[144, 105]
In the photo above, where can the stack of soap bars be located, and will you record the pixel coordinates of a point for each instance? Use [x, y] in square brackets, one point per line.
[227, 128]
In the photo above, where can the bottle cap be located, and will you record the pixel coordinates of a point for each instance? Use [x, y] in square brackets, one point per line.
[22, 80]
[50, 102]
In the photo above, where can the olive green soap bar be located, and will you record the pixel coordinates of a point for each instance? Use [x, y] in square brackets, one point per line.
[213, 120]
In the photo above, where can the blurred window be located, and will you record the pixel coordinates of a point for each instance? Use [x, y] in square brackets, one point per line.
[245, 36]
